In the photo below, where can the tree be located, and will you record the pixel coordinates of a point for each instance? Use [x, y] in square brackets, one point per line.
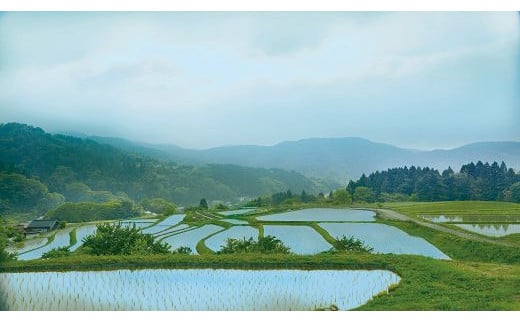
[364, 194]
[513, 193]
[350, 244]
[159, 206]
[303, 197]
[203, 204]
[267, 244]
[115, 239]
[4, 235]
[342, 197]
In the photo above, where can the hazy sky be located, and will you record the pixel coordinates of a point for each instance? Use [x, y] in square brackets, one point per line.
[199, 80]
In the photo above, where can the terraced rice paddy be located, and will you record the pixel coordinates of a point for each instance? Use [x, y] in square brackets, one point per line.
[172, 230]
[138, 223]
[81, 233]
[238, 232]
[492, 230]
[302, 240]
[234, 221]
[322, 214]
[192, 289]
[192, 237]
[61, 239]
[30, 244]
[165, 224]
[384, 238]
[237, 212]
[471, 218]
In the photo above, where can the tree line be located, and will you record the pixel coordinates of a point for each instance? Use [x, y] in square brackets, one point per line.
[475, 181]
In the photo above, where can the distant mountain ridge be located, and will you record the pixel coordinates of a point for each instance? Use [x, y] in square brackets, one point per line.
[337, 159]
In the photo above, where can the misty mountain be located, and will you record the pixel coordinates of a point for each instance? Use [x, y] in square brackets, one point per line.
[66, 165]
[336, 159]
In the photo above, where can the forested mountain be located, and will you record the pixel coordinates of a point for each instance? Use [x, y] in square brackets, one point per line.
[480, 181]
[34, 163]
[335, 159]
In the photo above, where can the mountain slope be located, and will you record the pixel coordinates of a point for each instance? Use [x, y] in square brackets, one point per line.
[337, 159]
[66, 163]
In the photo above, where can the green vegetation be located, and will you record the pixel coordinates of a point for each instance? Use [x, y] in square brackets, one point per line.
[350, 244]
[159, 206]
[114, 239]
[203, 204]
[264, 245]
[480, 181]
[88, 211]
[460, 208]
[24, 196]
[4, 255]
[182, 251]
[57, 253]
[72, 236]
[34, 163]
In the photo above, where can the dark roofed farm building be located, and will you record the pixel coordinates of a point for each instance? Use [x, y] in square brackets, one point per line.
[41, 226]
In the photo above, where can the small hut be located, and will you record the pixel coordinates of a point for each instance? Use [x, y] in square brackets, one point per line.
[41, 226]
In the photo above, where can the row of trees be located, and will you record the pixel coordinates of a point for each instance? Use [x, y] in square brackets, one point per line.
[480, 181]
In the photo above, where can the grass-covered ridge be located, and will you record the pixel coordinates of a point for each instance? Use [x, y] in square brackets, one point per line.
[481, 208]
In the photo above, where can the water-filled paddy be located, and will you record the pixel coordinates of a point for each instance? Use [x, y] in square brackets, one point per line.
[384, 238]
[29, 244]
[239, 232]
[237, 212]
[138, 223]
[471, 218]
[234, 221]
[192, 237]
[492, 230]
[302, 240]
[61, 239]
[321, 214]
[172, 230]
[81, 233]
[165, 224]
[192, 289]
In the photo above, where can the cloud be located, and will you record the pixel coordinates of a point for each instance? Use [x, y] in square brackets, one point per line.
[206, 79]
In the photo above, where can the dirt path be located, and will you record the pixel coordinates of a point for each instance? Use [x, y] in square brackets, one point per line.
[396, 216]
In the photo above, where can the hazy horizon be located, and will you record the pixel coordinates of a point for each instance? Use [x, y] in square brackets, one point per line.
[429, 80]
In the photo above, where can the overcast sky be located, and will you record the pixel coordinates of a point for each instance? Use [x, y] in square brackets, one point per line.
[418, 80]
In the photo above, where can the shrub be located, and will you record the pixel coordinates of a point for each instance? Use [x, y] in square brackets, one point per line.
[57, 253]
[115, 239]
[350, 244]
[268, 244]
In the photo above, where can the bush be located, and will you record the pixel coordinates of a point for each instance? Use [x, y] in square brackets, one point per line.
[159, 206]
[115, 239]
[350, 244]
[89, 211]
[57, 253]
[182, 251]
[268, 244]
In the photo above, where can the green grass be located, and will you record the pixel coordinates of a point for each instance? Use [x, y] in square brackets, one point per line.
[73, 238]
[460, 208]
